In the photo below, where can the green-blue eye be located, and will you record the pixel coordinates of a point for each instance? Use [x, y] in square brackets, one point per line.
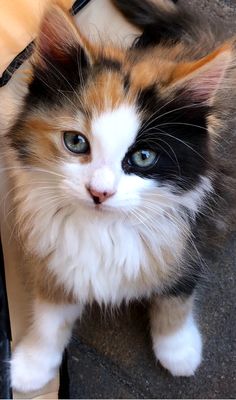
[143, 158]
[76, 142]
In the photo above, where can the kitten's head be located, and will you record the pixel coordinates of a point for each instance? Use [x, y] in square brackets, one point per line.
[110, 128]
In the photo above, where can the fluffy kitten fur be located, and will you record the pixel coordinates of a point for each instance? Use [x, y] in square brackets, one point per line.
[96, 227]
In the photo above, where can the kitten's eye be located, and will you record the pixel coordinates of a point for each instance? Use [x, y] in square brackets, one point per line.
[143, 158]
[76, 142]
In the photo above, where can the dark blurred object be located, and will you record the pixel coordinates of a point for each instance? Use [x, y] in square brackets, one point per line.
[64, 387]
[78, 5]
[5, 335]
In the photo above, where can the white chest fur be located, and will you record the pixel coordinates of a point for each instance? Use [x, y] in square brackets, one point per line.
[109, 259]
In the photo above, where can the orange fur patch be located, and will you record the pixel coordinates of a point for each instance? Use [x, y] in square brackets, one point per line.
[169, 313]
[104, 93]
[185, 69]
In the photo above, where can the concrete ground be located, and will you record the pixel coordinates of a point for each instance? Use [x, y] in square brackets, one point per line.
[110, 356]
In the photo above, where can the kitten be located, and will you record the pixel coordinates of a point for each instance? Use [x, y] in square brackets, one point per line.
[115, 158]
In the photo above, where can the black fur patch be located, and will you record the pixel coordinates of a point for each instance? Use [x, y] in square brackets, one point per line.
[158, 25]
[57, 77]
[183, 286]
[22, 148]
[110, 64]
[155, 34]
[177, 131]
[18, 141]
[126, 83]
[147, 98]
[138, 12]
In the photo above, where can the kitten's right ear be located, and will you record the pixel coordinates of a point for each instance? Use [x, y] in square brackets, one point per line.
[58, 38]
[61, 51]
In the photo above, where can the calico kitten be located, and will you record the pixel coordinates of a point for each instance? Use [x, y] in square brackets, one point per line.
[115, 168]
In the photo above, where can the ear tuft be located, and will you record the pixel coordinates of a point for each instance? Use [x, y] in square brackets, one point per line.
[57, 36]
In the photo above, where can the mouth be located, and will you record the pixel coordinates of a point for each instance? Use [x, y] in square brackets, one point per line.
[97, 206]
[105, 208]
[101, 207]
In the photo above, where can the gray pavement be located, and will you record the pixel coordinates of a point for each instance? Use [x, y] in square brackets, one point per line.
[110, 356]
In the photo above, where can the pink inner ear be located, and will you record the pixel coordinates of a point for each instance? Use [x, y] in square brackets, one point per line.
[46, 39]
[207, 79]
[56, 35]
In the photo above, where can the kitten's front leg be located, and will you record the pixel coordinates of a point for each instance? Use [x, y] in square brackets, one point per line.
[176, 339]
[36, 358]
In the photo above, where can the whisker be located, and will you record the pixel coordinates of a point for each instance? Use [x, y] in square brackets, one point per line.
[183, 123]
[161, 108]
[171, 112]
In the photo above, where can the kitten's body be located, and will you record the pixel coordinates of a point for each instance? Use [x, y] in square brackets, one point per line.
[98, 226]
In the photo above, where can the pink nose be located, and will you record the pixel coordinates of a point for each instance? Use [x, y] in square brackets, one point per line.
[99, 197]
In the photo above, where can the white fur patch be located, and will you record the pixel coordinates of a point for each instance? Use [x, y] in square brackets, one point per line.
[181, 351]
[114, 131]
[36, 359]
[103, 179]
[194, 198]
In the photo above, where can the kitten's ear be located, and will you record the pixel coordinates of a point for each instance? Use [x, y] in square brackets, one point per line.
[201, 79]
[61, 51]
[58, 37]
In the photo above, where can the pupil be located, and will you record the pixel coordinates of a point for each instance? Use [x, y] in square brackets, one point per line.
[76, 140]
[144, 155]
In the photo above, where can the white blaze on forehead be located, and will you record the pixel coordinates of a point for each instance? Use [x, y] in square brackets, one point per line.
[116, 129]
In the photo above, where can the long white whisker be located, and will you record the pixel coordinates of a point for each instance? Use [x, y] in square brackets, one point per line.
[170, 112]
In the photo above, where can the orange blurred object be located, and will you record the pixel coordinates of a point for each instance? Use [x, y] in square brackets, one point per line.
[18, 27]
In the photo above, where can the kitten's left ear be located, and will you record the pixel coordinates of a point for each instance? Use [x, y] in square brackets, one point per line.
[201, 79]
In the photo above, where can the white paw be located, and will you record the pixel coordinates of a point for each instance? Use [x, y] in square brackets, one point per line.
[180, 352]
[32, 368]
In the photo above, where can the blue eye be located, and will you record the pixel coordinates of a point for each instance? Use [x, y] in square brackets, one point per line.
[143, 158]
[76, 142]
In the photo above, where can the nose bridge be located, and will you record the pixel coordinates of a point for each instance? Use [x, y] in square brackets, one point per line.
[103, 179]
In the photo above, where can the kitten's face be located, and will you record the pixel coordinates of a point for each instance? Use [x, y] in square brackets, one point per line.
[96, 159]
[91, 157]
[111, 129]
[100, 157]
